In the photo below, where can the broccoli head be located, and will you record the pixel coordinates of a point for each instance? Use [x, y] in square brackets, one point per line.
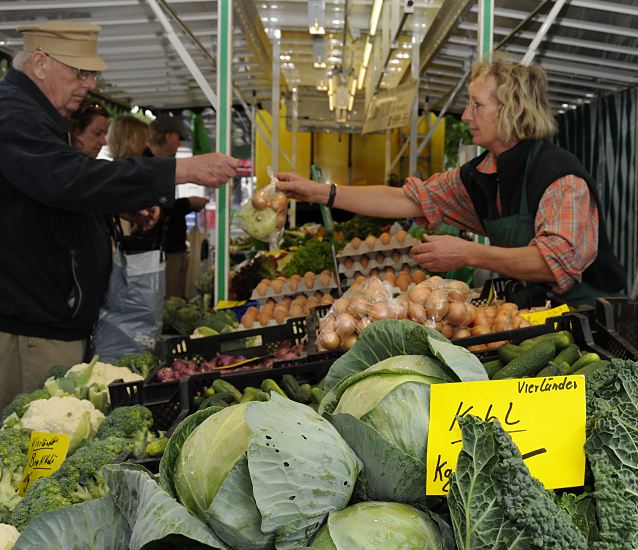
[46, 494]
[133, 423]
[21, 402]
[140, 363]
[13, 457]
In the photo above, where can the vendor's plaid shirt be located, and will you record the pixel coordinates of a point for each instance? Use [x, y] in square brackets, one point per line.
[566, 221]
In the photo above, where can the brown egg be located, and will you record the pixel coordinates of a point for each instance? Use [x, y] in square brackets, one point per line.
[309, 279]
[364, 261]
[390, 279]
[312, 302]
[400, 236]
[396, 256]
[292, 284]
[277, 285]
[296, 310]
[348, 263]
[418, 276]
[296, 277]
[380, 258]
[261, 289]
[263, 318]
[253, 310]
[355, 243]
[371, 241]
[324, 279]
[374, 272]
[279, 317]
[269, 306]
[405, 268]
[403, 283]
[248, 319]
[385, 238]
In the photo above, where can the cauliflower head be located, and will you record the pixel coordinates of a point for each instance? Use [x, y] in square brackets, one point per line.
[8, 536]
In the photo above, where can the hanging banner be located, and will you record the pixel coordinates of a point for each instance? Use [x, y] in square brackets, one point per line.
[544, 416]
[390, 108]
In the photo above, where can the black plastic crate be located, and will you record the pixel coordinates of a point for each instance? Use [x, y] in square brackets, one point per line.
[304, 371]
[620, 317]
[268, 338]
[576, 323]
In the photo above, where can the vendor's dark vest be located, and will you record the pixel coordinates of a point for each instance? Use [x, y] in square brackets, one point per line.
[551, 163]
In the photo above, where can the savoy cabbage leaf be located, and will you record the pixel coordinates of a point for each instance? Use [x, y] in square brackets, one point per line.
[494, 501]
[612, 451]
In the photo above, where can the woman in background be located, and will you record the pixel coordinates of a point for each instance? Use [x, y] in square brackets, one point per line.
[88, 127]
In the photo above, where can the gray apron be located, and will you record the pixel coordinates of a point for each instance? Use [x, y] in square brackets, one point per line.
[518, 230]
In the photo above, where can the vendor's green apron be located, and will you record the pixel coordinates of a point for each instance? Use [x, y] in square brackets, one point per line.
[518, 230]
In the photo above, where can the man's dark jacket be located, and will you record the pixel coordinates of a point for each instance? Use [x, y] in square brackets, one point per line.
[55, 250]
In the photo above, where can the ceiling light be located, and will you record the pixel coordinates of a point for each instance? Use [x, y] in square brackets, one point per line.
[319, 64]
[322, 87]
[331, 102]
[366, 54]
[565, 105]
[590, 95]
[362, 76]
[350, 103]
[353, 88]
[337, 22]
[374, 16]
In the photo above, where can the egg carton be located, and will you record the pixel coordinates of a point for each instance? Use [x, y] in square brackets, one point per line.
[394, 244]
[373, 264]
[302, 288]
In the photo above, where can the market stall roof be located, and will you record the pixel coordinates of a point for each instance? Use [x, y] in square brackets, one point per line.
[590, 50]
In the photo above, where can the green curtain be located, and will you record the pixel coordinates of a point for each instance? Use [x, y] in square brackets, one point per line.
[201, 144]
[604, 136]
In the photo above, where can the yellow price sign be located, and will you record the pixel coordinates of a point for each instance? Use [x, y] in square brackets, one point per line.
[544, 416]
[227, 304]
[46, 454]
[539, 317]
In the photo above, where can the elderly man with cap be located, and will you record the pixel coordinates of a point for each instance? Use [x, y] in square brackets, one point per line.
[56, 250]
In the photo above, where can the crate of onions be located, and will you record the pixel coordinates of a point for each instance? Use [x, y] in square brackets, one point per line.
[444, 304]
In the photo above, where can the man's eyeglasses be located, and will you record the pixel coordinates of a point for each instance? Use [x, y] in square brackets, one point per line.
[80, 74]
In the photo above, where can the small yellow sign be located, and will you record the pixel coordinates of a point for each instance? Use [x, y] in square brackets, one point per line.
[539, 317]
[227, 304]
[46, 454]
[544, 416]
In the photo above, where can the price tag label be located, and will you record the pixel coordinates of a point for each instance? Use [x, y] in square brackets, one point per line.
[539, 317]
[544, 416]
[46, 454]
[227, 304]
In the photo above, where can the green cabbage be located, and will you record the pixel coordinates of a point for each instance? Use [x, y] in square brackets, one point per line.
[260, 474]
[379, 401]
[381, 526]
[259, 224]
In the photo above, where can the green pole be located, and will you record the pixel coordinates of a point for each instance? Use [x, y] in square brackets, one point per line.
[224, 95]
[485, 29]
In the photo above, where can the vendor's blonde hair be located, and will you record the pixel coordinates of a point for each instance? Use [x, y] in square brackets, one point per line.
[521, 93]
[127, 137]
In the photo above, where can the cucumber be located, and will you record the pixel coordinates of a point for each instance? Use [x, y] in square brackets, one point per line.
[253, 394]
[269, 385]
[294, 390]
[585, 359]
[590, 368]
[212, 401]
[529, 362]
[561, 339]
[549, 370]
[507, 352]
[226, 396]
[317, 394]
[492, 367]
[307, 390]
[566, 358]
[221, 386]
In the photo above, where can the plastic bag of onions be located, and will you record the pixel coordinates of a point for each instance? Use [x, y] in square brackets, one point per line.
[355, 310]
[264, 216]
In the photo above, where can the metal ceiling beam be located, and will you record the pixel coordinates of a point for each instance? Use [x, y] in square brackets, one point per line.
[437, 34]
[621, 9]
[248, 20]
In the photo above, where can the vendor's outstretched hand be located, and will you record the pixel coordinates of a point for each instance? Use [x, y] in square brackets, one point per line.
[299, 188]
[441, 253]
